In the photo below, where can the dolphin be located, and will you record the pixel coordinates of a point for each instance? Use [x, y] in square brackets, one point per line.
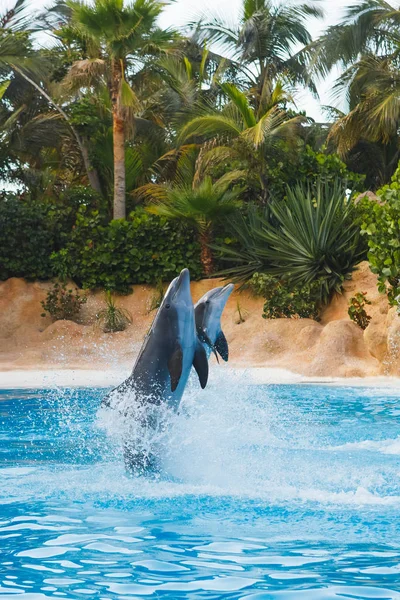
[162, 368]
[208, 311]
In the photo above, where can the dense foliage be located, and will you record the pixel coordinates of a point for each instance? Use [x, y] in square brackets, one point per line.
[134, 151]
[115, 255]
[381, 225]
[29, 233]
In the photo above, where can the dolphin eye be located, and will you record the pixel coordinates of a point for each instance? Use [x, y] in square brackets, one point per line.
[167, 306]
[207, 302]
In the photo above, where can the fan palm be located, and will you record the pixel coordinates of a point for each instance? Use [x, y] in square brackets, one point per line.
[201, 205]
[117, 35]
[243, 134]
[263, 43]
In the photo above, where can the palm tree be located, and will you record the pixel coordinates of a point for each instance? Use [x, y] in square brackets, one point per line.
[264, 43]
[367, 45]
[245, 135]
[369, 27]
[18, 56]
[200, 203]
[118, 37]
[374, 114]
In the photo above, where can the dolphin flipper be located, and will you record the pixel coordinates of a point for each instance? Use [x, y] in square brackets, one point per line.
[200, 363]
[203, 337]
[175, 365]
[221, 346]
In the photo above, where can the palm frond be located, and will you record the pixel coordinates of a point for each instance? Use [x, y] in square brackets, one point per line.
[85, 73]
[240, 101]
[209, 126]
[272, 127]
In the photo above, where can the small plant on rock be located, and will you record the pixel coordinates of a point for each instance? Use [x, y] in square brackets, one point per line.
[63, 303]
[242, 313]
[157, 297]
[113, 318]
[357, 312]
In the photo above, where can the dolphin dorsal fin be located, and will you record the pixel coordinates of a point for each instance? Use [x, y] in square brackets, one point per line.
[175, 364]
[200, 363]
[221, 345]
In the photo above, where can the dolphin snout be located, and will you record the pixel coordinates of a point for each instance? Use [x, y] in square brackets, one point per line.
[182, 286]
[226, 291]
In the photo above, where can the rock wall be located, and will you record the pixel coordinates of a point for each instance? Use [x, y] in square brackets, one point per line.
[335, 347]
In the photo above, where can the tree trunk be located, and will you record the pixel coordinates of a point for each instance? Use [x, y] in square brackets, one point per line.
[92, 174]
[118, 141]
[206, 255]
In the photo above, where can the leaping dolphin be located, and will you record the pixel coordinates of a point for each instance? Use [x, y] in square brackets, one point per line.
[162, 368]
[169, 350]
[208, 311]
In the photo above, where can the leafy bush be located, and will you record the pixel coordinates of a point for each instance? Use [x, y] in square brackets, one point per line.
[310, 236]
[357, 312]
[63, 303]
[309, 167]
[113, 256]
[285, 301]
[29, 233]
[381, 225]
[112, 318]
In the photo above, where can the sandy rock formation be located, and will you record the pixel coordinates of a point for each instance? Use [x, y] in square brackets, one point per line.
[335, 347]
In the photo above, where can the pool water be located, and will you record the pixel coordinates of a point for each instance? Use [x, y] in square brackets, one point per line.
[287, 492]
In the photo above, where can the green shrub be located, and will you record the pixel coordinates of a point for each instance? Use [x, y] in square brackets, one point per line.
[309, 236]
[357, 312]
[113, 318]
[381, 225]
[287, 301]
[63, 303]
[29, 233]
[142, 249]
[309, 167]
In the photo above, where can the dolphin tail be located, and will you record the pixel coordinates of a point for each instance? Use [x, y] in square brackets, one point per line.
[221, 346]
[200, 363]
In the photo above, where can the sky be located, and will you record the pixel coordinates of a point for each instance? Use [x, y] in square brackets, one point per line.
[181, 12]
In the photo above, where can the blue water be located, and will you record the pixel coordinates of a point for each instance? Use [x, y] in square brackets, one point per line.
[287, 492]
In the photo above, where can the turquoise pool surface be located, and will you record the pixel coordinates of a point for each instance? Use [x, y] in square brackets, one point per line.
[286, 492]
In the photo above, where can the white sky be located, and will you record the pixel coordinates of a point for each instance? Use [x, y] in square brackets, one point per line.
[182, 11]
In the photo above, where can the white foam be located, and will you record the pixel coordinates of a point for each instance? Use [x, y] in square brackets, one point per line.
[23, 379]
[232, 439]
[390, 446]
